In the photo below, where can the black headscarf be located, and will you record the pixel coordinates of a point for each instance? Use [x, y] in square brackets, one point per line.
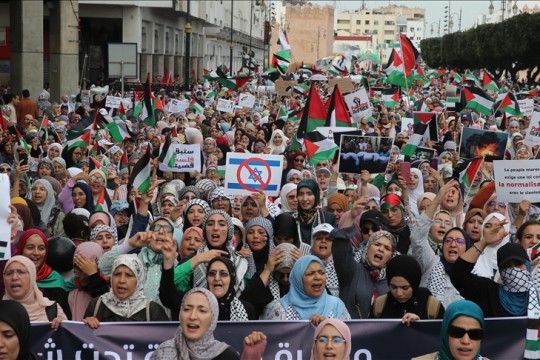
[225, 301]
[285, 225]
[15, 315]
[448, 266]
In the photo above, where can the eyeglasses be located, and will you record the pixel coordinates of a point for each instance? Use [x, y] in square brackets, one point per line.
[497, 204]
[78, 153]
[220, 199]
[97, 178]
[3, 170]
[336, 340]
[20, 272]
[458, 241]
[222, 273]
[458, 333]
[166, 228]
[367, 229]
[440, 222]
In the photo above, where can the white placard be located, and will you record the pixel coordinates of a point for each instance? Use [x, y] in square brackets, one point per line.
[247, 173]
[532, 136]
[358, 104]
[113, 102]
[85, 97]
[178, 106]
[407, 126]
[246, 100]
[182, 158]
[329, 131]
[226, 106]
[526, 106]
[5, 211]
[517, 180]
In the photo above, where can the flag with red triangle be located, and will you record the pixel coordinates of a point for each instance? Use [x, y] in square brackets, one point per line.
[148, 109]
[165, 77]
[478, 100]
[22, 141]
[510, 105]
[319, 147]
[100, 203]
[171, 81]
[488, 83]
[314, 114]
[81, 139]
[338, 114]
[471, 171]
[410, 54]
[124, 161]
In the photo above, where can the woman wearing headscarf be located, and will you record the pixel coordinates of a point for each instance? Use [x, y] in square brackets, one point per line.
[55, 150]
[188, 193]
[24, 213]
[194, 213]
[337, 204]
[473, 223]
[286, 231]
[486, 264]
[289, 202]
[259, 235]
[416, 188]
[332, 338]
[200, 305]
[406, 300]
[307, 297]
[309, 214]
[82, 196]
[33, 244]
[462, 330]
[45, 199]
[360, 284]
[14, 319]
[278, 142]
[396, 219]
[20, 280]
[126, 300]
[89, 282]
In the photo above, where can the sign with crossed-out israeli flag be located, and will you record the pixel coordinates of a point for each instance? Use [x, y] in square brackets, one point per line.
[246, 173]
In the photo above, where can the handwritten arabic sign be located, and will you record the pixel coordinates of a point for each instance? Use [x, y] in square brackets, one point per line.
[182, 158]
[225, 106]
[247, 173]
[113, 102]
[246, 100]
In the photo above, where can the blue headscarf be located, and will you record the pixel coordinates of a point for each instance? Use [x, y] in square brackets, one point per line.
[305, 305]
[89, 196]
[453, 311]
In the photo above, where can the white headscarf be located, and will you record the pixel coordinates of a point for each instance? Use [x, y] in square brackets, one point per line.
[285, 190]
[486, 265]
[275, 149]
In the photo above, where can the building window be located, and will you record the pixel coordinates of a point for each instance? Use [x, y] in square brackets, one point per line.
[367, 22]
[358, 22]
[374, 32]
[388, 32]
[343, 21]
[389, 22]
[411, 29]
[375, 22]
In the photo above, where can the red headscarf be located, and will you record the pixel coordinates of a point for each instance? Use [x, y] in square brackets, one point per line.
[45, 270]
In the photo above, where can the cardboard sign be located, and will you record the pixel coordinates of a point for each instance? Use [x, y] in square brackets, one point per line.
[5, 211]
[490, 145]
[346, 85]
[357, 153]
[182, 158]
[226, 106]
[526, 106]
[285, 87]
[532, 136]
[178, 106]
[246, 100]
[247, 173]
[517, 180]
[113, 102]
[359, 105]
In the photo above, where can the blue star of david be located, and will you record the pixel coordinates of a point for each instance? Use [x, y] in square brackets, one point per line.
[256, 171]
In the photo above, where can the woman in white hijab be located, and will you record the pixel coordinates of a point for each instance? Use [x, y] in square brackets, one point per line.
[278, 142]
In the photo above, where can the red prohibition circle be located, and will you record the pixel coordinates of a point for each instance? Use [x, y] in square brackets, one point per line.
[246, 164]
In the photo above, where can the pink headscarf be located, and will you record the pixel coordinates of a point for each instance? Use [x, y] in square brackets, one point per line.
[342, 328]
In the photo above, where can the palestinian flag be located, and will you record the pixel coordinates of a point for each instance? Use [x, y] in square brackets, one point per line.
[100, 203]
[94, 164]
[283, 41]
[391, 98]
[395, 71]
[510, 105]
[488, 83]
[314, 114]
[471, 171]
[122, 111]
[164, 149]
[22, 141]
[124, 163]
[119, 131]
[295, 115]
[457, 78]
[141, 175]
[302, 89]
[282, 114]
[148, 109]
[211, 95]
[529, 92]
[478, 100]
[419, 74]
[139, 104]
[281, 61]
[422, 117]
[318, 147]
[338, 115]
[165, 77]
[233, 83]
[81, 139]
[410, 54]
[44, 125]
[197, 108]
[471, 77]
[419, 130]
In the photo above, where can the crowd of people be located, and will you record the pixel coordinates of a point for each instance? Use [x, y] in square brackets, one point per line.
[331, 247]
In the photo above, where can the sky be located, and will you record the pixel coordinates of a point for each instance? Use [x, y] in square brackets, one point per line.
[434, 9]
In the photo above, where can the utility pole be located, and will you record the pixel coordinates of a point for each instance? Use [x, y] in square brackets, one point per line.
[232, 44]
[188, 47]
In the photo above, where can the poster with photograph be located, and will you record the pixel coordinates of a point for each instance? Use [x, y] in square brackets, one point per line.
[357, 153]
[490, 145]
[421, 153]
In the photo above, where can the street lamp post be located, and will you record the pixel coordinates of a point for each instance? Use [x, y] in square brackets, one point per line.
[451, 21]
[232, 44]
[439, 28]
[188, 47]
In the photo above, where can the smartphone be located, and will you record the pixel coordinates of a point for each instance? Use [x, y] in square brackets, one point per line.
[405, 170]
[434, 163]
[24, 159]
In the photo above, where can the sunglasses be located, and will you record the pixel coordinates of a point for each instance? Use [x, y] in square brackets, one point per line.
[166, 228]
[457, 333]
[367, 229]
[222, 273]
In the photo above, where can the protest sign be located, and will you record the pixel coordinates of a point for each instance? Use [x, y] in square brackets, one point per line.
[113, 102]
[490, 145]
[178, 106]
[285, 87]
[526, 106]
[421, 153]
[532, 136]
[246, 100]
[407, 126]
[85, 97]
[358, 104]
[345, 84]
[226, 106]
[517, 180]
[182, 158]
[5, 211]
[259, 104]
[357, 153]
[247, 173]
[332, 133]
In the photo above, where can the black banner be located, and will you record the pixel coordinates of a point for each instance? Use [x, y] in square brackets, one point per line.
[371, 339]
